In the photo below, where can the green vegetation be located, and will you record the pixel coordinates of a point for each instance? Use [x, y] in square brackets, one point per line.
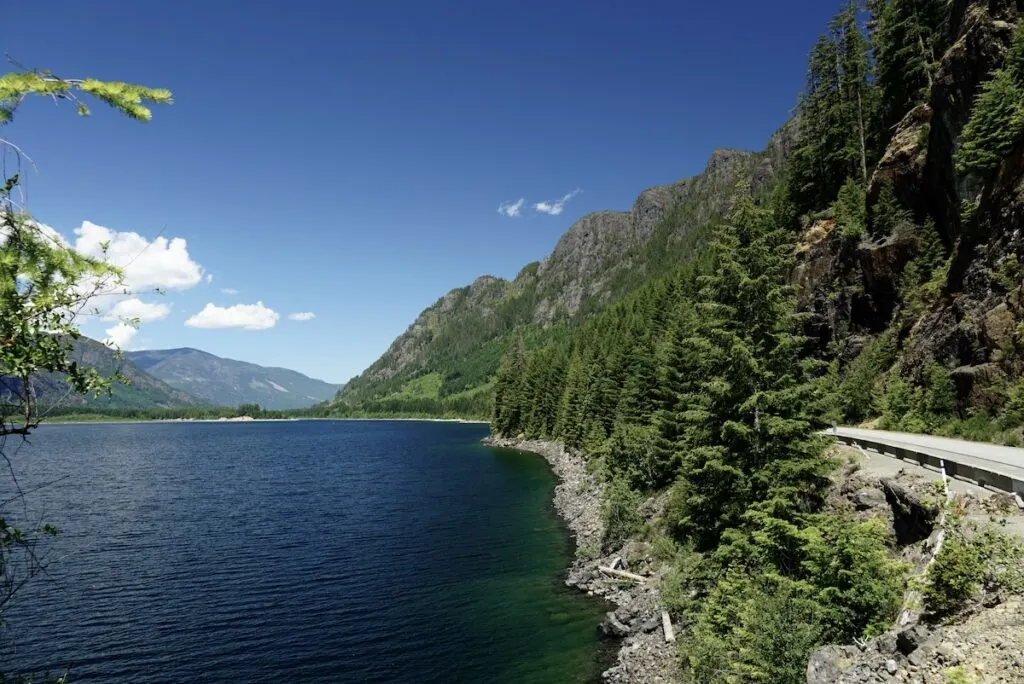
[703, 383]
[44, 283]
[975, 556]
[997, 121]
[697, 383]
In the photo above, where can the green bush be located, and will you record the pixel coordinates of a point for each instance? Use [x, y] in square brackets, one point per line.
[973, 558]
[856, 393]
[621, 512]
[939, 393]
[850, 212]
[631, 456]
[1008, 273]
[1013, 413]
[896, 402]
[753, 630]
[995, 126]
[858, 586]
[954, 578]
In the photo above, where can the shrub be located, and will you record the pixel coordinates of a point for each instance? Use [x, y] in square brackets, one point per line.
[954, 579]
[850, 212]
[621, 513]
[995, 126]
[1008, 274]
[631, 456]
[859, 587]
[855, 395]
[973, 558]
[1013, 413]
[939, 392]
[750, 630]
[896, 402]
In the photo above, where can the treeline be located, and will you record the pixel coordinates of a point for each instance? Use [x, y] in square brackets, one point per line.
[705, 382]
[473, 406]
[97, 413]
[697, 383]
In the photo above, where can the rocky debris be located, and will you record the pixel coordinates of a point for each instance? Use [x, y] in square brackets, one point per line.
[986, 648]
[643, 656]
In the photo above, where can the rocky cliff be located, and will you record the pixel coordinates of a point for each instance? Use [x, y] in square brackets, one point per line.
[460, 338]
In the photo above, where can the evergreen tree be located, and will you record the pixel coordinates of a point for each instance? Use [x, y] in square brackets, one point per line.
[908, 37]
[837, 112]
[509, 394]
[746, 441]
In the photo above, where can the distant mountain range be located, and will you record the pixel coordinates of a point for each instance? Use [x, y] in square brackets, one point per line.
[177, 378]
[141, 391]
[226, 382]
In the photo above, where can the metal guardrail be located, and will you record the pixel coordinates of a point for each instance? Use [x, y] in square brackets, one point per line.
[984, 472]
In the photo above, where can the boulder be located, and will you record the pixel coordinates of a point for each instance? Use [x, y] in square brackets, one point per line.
[611, 627]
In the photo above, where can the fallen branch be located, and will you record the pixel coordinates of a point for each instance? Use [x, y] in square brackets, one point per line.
[621, 573]
[666, 624]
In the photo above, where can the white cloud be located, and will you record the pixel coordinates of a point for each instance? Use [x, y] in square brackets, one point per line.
[209, 278]
[161, 263]
[120, 335]
[136, 309]
[44, 230]
[245, 316]
[512, 209]
[229, 291]
[555, 207]
[302, 316]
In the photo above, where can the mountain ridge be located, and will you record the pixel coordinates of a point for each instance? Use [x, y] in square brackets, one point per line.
[453, 346]
[230, 382]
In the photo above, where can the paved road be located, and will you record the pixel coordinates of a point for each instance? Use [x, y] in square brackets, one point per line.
[973, 457]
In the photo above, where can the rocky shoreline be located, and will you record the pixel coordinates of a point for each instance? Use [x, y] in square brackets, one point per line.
[643, 656]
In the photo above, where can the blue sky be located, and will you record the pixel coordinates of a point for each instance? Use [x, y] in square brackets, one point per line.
[348, 159]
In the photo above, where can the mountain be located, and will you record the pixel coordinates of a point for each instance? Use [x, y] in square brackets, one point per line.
[226, 382]
[142, 390]
[904, 200]
[876, 278]
[443, 363]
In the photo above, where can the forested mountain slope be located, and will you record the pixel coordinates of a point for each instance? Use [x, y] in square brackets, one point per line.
[444, 363]
[877, 278]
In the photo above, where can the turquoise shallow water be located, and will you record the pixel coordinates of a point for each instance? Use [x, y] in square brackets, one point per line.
[315, 551]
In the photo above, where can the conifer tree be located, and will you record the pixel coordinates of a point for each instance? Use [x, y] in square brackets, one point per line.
[746, 441]
[908, 41]
[837, 112]
[508, 391]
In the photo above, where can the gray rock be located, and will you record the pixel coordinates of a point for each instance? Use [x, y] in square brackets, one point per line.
[891, 667]
[869, 499]
[626, 614]
[612, 628]
[653, 623]
[948, 653]
[886, 643]
[910, 639]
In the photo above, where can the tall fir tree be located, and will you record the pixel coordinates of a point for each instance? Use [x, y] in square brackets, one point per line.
[745, 440]
[908, 38]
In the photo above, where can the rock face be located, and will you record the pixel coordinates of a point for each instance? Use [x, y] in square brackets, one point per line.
[593, 264]
[853, 290]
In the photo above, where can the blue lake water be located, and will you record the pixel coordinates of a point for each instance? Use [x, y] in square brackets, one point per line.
[313, 551]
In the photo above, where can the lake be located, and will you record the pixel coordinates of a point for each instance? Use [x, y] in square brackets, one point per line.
[310, 551]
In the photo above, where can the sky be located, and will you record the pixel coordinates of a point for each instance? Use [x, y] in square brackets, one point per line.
[330, 169]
